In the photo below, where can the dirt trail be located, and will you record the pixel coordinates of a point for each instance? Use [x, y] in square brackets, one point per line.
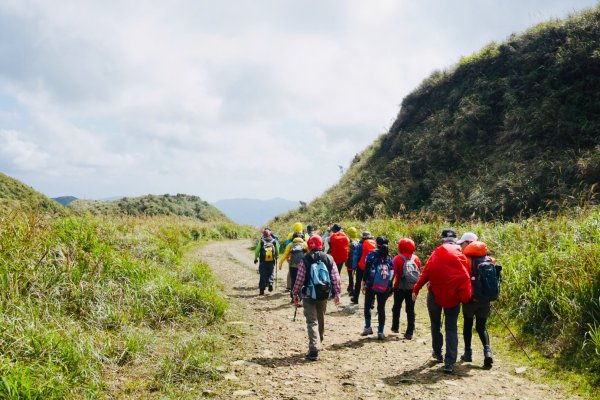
[350, 366]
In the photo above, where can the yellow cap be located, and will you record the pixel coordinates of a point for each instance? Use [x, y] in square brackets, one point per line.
[352, 232]
[298, 227]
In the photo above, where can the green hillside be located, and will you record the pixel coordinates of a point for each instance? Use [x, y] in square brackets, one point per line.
[153, 205]
[16, 195]
[507, 132]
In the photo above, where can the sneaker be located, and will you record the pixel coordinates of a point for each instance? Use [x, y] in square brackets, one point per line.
[488, 359]
[270, 288]
[312, 355]
[380, 336]
[408, 336]
[437, 357]
[261, 292]
[395, 330]
[467, 357]
[355, 302]
[448, 369]
[367, 331]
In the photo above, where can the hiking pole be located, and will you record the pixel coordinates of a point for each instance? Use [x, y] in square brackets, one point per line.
[513, 336]
[295, 312]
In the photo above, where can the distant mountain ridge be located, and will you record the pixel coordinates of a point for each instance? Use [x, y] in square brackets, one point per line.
[65, 200]
[254, 212]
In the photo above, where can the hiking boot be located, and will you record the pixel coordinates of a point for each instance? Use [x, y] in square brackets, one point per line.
[367, 331]
[312, 355]
[380, 336]
[448, 369]
[261, 292]
[395, 330]
[408, 336]
[488, 359]
[467, 356]
[270, 288]
[437, 357]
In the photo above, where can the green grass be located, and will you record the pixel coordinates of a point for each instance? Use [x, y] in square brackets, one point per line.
[84, 301]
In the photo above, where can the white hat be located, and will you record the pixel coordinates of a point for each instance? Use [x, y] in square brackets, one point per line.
[467, 237]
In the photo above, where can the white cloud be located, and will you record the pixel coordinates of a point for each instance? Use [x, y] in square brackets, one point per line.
[256, 98]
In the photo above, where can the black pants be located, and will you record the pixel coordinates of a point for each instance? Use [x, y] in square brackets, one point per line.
[265, 270]
[357, 284]
[370, 296]
[350, 280]
[293, 274]
[400, 296]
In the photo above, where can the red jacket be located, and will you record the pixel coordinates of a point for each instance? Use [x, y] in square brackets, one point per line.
[446, 271]
[406, 247]
[338, 244]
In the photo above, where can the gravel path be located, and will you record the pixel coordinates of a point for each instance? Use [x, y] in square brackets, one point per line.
[350, 366]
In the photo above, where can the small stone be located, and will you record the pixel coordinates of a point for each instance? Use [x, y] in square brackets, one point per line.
[450, 383]
[520, 370]
[231, 377]
[243, 393]
[221, 368]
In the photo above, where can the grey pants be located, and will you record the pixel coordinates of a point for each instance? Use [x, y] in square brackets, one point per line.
[314, 311]
[435, 316]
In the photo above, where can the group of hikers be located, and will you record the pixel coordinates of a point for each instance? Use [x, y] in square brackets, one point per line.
[458, 274]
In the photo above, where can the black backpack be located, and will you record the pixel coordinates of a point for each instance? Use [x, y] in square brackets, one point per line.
[267, 250]
[485, 279]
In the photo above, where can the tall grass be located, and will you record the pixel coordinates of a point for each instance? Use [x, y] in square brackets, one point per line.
[74, 291]
[551, 277]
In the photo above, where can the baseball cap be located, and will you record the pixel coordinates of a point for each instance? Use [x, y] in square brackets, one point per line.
[467, 237]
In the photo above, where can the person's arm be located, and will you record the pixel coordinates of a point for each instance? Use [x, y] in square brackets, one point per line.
[356, 255]
[398, 263]
[299, 283]
[285, 254]
[335, 282]
[256, 251]
[423, 279]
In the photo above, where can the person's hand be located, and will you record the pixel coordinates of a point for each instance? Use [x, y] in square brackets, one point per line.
[336, 300]
[362, 288]
[255, 260]
[296, 302]
[414, 296]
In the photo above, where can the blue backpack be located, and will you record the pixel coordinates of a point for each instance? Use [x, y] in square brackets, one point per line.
[319, 280]
[381, 275]
[485, 279]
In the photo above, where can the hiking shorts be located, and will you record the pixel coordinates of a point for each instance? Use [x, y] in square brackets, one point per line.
[476, 309]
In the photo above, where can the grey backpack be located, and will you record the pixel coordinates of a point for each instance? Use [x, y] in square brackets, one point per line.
[410, 273]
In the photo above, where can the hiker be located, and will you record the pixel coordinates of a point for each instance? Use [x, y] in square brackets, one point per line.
[353, 236]
[266, 252]
[377, 282]
[338, 246]
[325, 237]
[362, 249]
[479, 308]
[407, 270]
[316, 282]
[311, 231]
[297, 228]
[449, 285]
[294, 253]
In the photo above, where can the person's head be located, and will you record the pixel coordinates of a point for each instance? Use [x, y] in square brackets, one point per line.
[298, 227]
[367, 235]
[335, 228]
[315, 243]
[352, 232]
[267, 233]
[448, 236]
[297, 235]
[406, 246]
[382, 245]
[309, 228]
[466, 239]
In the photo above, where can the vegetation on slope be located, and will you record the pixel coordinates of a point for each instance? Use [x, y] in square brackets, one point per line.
[507, 132]
[15, 194]
[85, 301]
[153, 205]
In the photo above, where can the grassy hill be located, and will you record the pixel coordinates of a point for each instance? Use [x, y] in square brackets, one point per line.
[153, 205]
[16, 195]
[507, 132]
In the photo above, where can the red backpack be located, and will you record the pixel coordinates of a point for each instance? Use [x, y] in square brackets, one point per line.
[338, 243]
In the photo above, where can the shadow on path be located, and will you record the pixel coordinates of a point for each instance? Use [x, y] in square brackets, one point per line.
[429, 372]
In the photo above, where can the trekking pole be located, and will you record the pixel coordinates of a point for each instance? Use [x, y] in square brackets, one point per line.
[513, 336]
[295, 312]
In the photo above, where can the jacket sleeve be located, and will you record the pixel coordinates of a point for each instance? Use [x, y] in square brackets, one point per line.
[257, 250]
[285, 254]
[398, 263]
[335, 278]
[299, 280]
[424, 278]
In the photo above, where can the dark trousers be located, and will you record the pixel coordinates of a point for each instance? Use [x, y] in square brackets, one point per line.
[357, 283]
[350, 280]
[481, 312]
[451, 321]
[293, 274]
[400, 296]
[370, 296]
[265, 270]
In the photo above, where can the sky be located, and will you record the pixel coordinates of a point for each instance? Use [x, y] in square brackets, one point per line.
[222, 99]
